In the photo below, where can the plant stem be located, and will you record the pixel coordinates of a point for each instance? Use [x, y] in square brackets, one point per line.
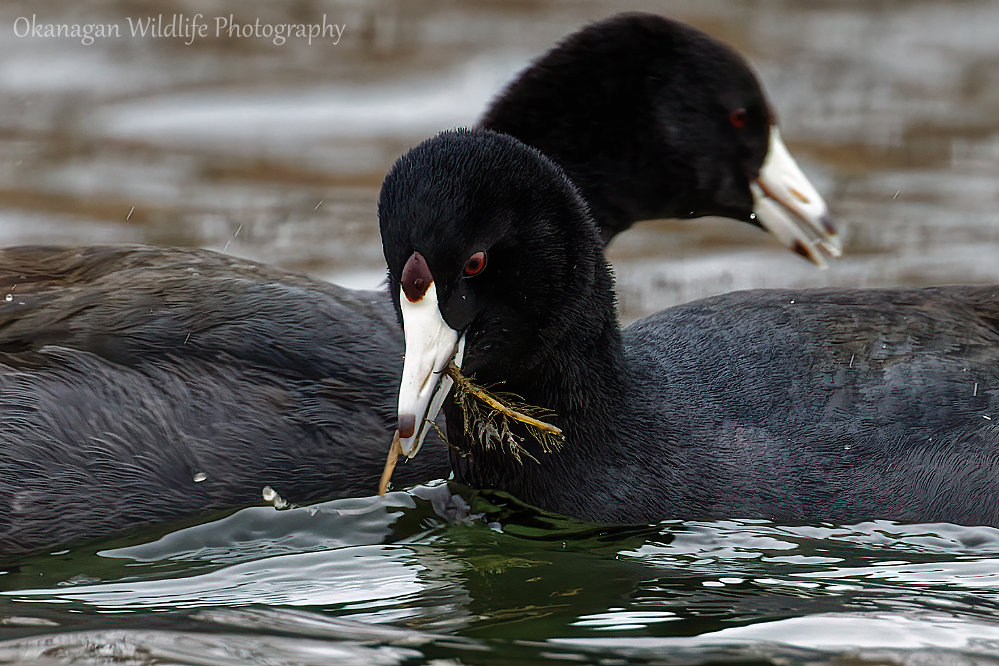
[393, 458]
[468, 386]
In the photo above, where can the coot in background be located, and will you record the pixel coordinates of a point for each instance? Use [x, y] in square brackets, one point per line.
[832, 405]
[160, 384]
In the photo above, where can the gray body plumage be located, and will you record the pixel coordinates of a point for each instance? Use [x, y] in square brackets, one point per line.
[839, 405]
[126, 373]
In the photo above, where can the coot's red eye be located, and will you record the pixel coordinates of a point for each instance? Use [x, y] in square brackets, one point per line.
[475, 263]
[737, 118]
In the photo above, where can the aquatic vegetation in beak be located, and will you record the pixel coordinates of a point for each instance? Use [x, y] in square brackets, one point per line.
[489, 416]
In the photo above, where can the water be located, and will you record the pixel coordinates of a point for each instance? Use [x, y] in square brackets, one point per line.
[276, 153]
[444, 573]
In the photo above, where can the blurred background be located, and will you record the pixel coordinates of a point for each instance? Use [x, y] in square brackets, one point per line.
[276, 152]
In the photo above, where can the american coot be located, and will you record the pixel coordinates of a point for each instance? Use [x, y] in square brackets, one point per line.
[140, 384]
[812, 405]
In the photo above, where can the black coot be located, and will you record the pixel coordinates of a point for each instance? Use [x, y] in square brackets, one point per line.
[813, 405]
[140, 384]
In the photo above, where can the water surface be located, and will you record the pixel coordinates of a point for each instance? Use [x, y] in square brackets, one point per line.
[442, 573]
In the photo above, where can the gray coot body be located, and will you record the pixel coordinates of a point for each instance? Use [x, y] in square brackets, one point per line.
[815, 405]
[140, 384]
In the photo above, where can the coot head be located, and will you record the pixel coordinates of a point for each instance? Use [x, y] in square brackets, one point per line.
[487, 243]
[685, 130]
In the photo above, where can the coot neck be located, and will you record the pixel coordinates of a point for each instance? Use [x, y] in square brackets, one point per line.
[579, 372]
[590, 131]
[612, 185]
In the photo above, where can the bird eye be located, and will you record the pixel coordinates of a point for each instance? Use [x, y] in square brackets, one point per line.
[738, 118]
[475, 263]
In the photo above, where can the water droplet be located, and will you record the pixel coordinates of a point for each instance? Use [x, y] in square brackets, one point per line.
[199, 477]
[270, 496]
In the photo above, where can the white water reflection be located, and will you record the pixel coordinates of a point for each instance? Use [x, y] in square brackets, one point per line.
[387, 574]
[125, 646]
[852, 632]
[283, 119]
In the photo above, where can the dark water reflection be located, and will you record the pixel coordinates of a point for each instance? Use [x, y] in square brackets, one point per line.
[276, 153]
